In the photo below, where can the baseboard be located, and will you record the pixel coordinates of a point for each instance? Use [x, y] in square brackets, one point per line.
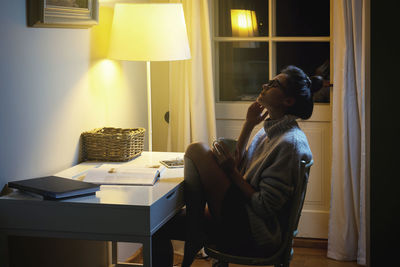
[317, 243]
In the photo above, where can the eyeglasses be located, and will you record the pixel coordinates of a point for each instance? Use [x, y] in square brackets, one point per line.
[274, 83]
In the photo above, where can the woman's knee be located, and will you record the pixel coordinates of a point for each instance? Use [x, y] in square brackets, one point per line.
[195, 150]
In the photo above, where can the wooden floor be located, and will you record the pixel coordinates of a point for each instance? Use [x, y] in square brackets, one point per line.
[303, 257]
[307, 253]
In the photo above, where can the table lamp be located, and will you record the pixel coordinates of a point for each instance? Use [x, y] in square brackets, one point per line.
[149, 32]
[244, 24]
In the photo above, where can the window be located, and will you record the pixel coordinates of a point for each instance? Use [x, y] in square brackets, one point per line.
[255, 39]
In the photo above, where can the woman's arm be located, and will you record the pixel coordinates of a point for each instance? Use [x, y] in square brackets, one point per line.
[241, 183]
[254, 116]
[227, 164]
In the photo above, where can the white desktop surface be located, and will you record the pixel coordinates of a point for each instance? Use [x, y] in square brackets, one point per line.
[115, 213]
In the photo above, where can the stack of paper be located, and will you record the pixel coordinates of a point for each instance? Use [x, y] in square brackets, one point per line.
[123, 175]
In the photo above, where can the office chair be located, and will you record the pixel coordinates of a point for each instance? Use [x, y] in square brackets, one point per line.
[284, 254]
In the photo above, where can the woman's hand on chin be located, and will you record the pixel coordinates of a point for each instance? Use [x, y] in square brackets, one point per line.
[255, 114]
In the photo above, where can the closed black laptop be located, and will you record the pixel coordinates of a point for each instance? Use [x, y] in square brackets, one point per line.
[54, 187]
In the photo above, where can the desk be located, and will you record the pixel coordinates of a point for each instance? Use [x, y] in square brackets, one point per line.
[115, 213]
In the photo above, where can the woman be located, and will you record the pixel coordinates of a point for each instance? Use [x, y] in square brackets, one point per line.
[247, 194]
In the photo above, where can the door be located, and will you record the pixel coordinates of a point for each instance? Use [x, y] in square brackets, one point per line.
[252, 41]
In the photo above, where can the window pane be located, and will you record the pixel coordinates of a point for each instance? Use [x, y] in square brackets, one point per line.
[302, 18]
[242, 18]
[311, 57]
[243, 68]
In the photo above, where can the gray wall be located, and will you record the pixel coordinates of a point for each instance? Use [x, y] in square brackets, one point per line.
[55, 84]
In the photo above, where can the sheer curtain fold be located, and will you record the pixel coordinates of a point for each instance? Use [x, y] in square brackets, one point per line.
[192, 108]
[347, 230]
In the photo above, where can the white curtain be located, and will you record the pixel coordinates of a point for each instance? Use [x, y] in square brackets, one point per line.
[347, 229]
[192, 108]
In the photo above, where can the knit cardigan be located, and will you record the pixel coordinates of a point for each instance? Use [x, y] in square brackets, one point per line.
[271, 167]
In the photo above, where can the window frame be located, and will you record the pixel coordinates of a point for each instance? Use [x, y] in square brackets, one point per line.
[271, 39]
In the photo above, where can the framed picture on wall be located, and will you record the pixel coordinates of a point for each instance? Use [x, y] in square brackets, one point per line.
[63, 13]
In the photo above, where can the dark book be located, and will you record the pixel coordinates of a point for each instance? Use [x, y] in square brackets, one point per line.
[54, 187]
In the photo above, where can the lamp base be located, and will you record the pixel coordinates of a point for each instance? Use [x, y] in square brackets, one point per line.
[149, 121]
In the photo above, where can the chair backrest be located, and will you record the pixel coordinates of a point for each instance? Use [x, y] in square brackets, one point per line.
[295, 209]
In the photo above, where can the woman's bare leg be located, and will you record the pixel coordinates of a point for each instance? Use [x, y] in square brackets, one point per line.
[213, 179]
[195, 203]
[204, 181]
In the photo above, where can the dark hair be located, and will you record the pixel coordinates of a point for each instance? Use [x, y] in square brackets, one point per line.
[301, 88]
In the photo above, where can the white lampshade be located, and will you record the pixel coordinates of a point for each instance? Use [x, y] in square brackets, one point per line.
[149, 32]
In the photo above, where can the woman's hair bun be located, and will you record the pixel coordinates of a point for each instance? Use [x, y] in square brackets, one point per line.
[316, 83]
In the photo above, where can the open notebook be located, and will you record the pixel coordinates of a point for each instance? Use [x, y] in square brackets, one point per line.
[123, 175]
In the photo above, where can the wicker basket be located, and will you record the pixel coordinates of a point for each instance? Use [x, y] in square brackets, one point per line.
[112, 144]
